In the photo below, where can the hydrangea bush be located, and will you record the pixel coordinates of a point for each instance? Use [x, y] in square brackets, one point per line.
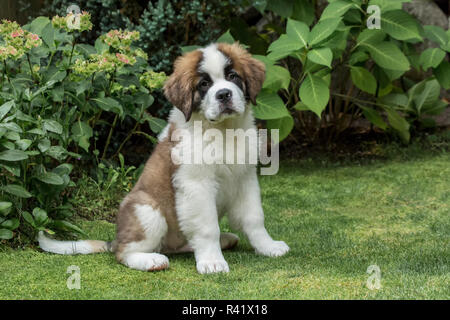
[61, 102]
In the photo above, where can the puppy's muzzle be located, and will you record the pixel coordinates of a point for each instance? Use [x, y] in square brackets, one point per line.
[224, 97]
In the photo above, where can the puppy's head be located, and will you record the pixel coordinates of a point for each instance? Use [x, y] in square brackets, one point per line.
[216, 81]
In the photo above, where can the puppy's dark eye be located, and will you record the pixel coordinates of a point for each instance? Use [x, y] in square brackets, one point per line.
[232, 75]
[204, 83]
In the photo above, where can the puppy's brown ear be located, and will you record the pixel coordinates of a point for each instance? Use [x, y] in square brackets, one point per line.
[179, 94]
[255, 74]
[179, 88]
[251, 70]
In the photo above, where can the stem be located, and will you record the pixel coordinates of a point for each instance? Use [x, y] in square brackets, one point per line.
[6, 72]
[3, 75]
[126, 139]
[31, 68]
[70, 58]
[71, 52]
[113, 75]
[50, 60]
[108, 140]
[7, 77]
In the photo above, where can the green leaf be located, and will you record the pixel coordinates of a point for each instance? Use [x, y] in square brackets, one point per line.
[81, 133]
[398, 100]
[363, 79]
[38, 24]
[337, 9]
[370, 37]
[284, 125]
[276, 78]
[63, 169]
[357, 57]
[442, 74]
[285, 44]
[44, 145]
[67, 226]
[36, 131]
[5, 234]
[400, 25]
[388, 55]
[226, 38]
[315, 93]
[16, 190]
[40, 216]
[300, 106]
[399, 124]
[13, 155]
[50, 178]
[323, 29]
[393, 74]
[435, 109]
[28, 218]
[5, 208]
[52, 126]
[23, 144]
[436, 34]
[11, 135]
[373, 116]
[269, 106]
[388, 5]
[428, 96]
[10, 224]
[298, 31]
[156, 124]
[11, 126]
[57, 152]
[54, 75]
[13, 168]
[323, 56]
[48, 35]
[109, 104]
[86, 49]
[431, 58]
[100, 46]
[4, 108]
[186, 49]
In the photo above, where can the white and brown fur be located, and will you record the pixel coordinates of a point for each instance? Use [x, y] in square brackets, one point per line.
[177, 208]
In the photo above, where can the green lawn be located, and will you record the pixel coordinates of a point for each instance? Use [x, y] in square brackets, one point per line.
[337, 219]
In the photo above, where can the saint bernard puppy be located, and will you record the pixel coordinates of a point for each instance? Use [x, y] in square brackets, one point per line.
[177, 207]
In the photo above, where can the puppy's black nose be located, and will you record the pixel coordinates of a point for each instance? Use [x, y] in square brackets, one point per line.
[223, 95]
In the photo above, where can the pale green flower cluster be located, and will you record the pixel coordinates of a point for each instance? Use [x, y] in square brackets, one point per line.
[107, 62]
[16, 41]
[120, 39]
[153, 80]
[73, 22]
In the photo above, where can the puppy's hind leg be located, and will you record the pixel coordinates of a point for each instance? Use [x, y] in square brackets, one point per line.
[228, 240]
[142, 254]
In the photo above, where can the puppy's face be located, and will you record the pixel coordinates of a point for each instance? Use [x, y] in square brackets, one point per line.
[216, 82]
[220, 87]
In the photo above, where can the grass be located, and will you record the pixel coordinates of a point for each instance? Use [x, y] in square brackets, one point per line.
[338, 219]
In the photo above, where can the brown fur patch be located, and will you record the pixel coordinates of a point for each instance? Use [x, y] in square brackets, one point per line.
[159, 268]
[153, 188]
[251, 70]
[179, 88]
[98, 246]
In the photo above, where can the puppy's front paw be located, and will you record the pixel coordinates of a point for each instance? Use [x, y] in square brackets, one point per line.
[212, 266]
[274, 249]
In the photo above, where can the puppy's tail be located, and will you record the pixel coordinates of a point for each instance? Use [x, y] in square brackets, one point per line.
[74, 247]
